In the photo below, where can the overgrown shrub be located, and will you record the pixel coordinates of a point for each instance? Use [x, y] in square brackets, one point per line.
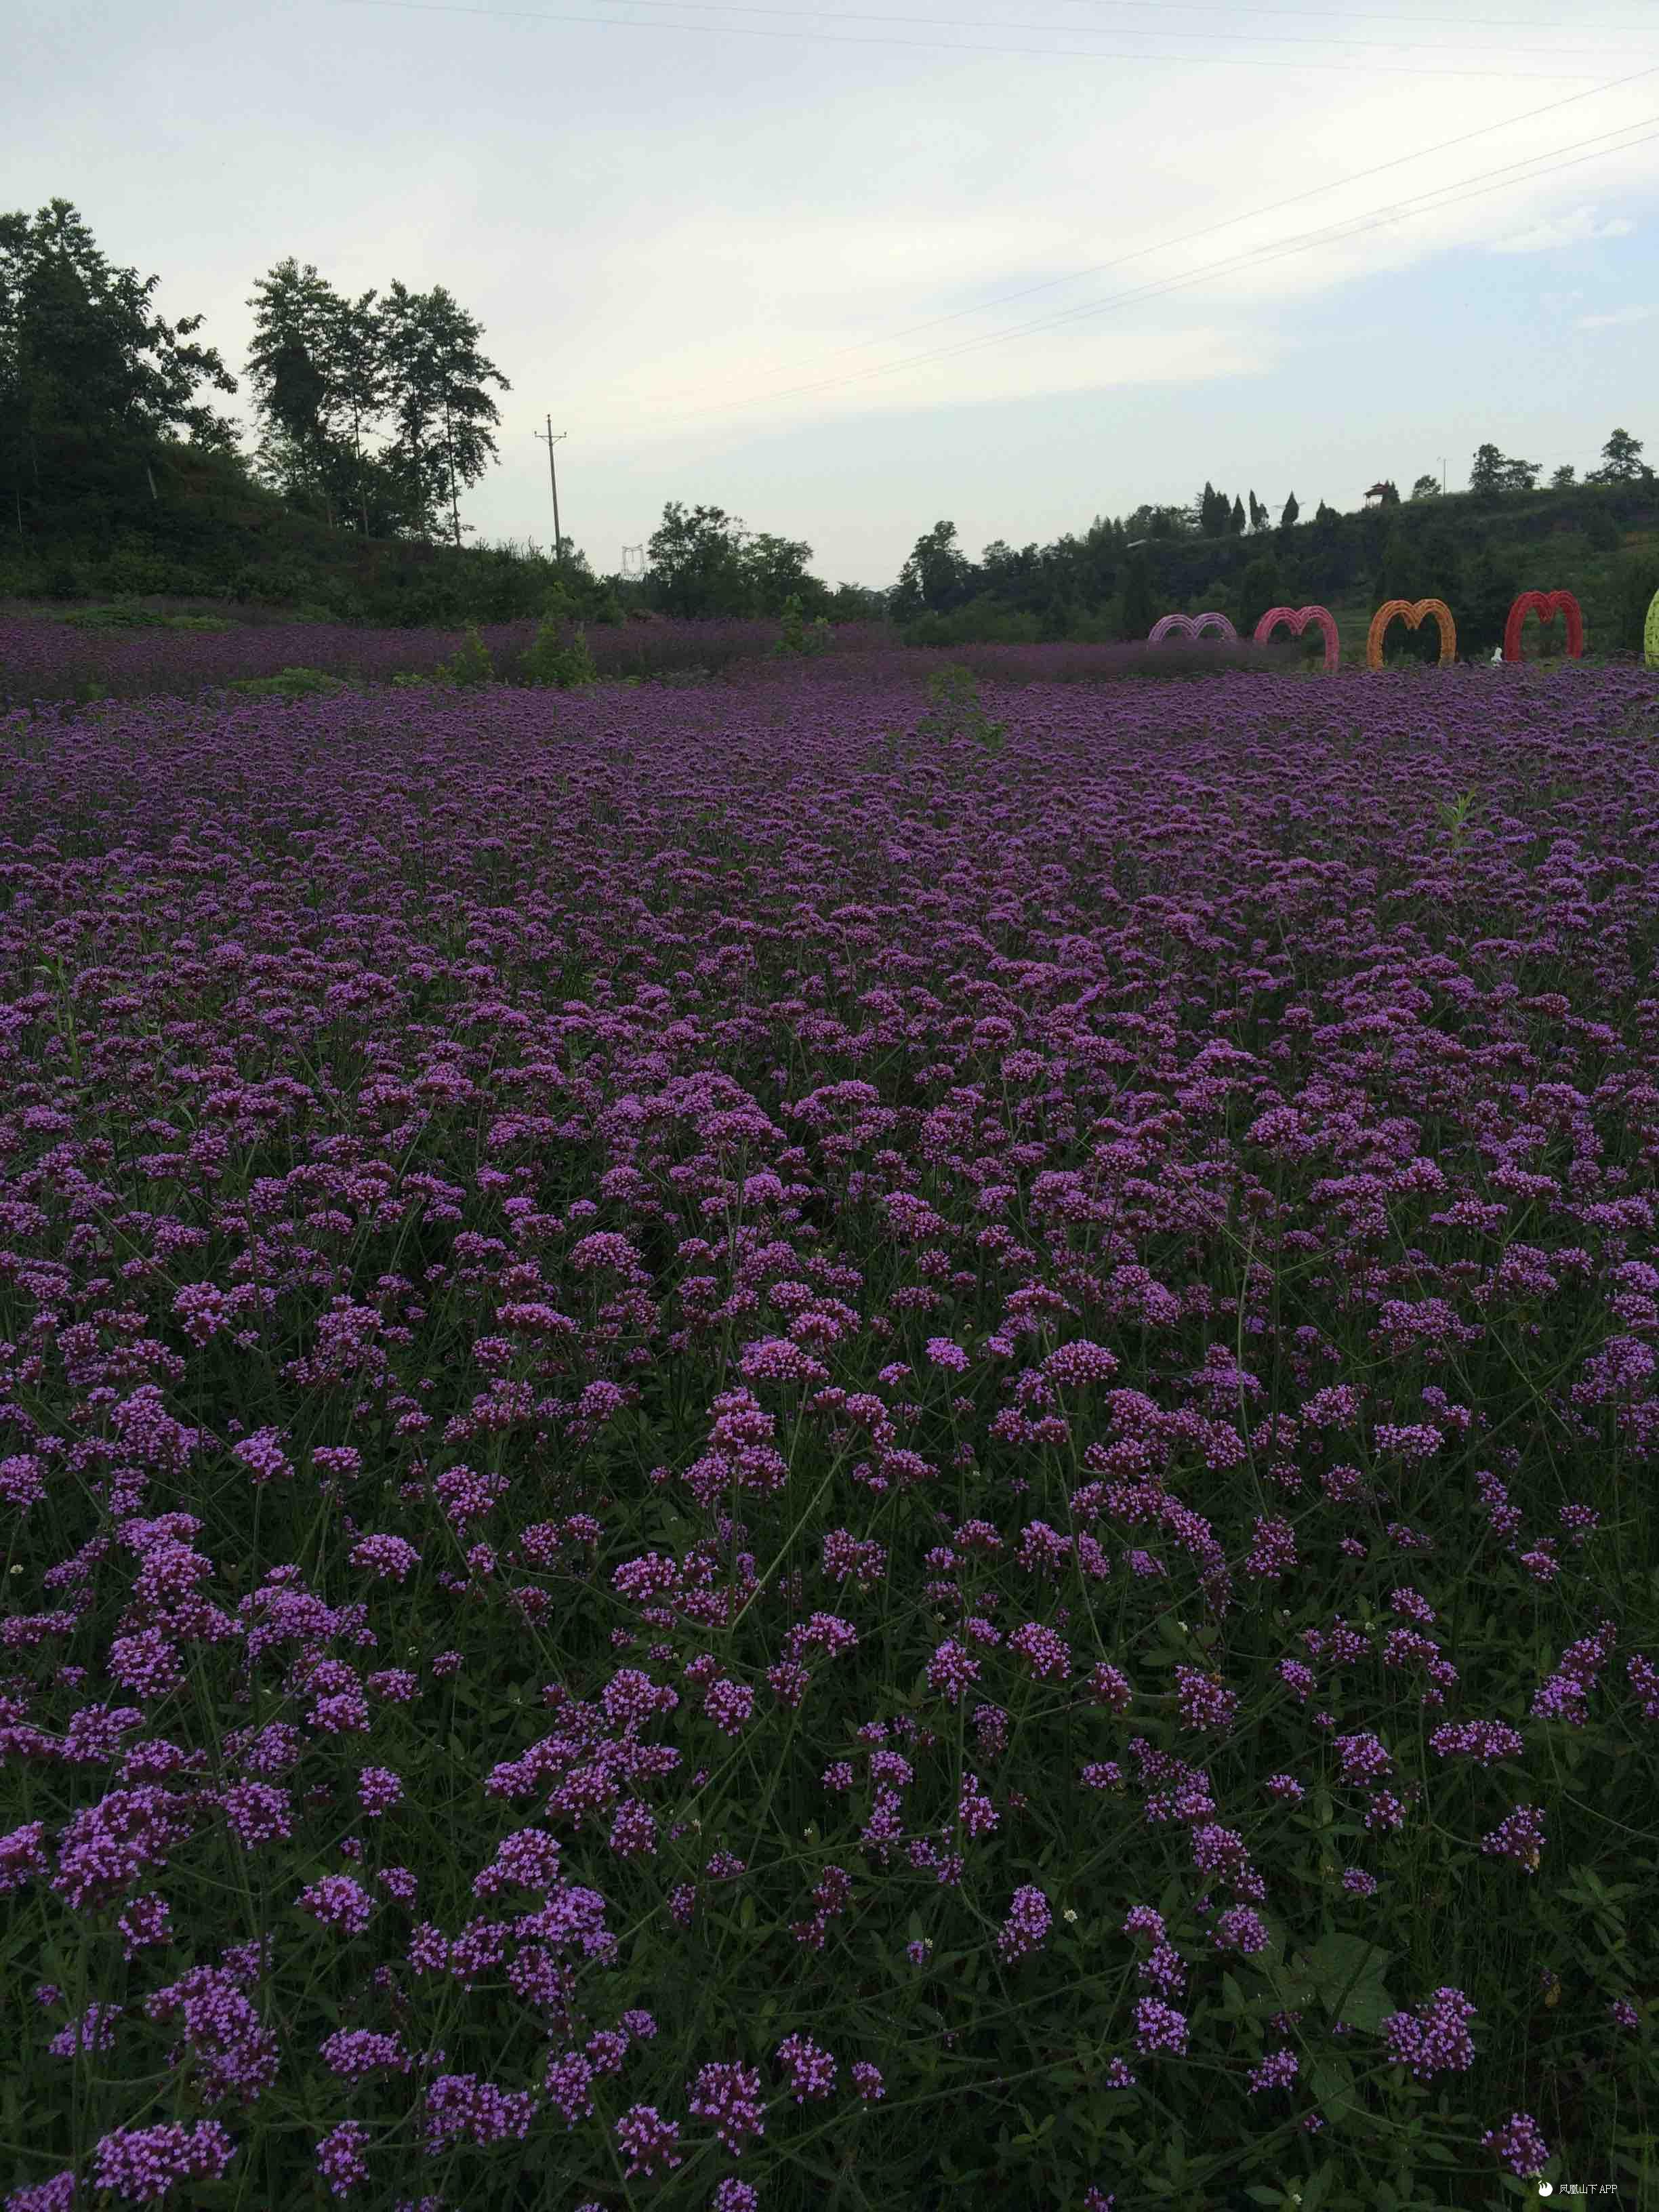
[292, 683]
[556, 659]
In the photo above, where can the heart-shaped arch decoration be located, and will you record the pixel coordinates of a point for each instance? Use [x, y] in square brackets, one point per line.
[1298, 618]
[1549, 605]
[1189, 626]
[1413, 615]
[1650, 633]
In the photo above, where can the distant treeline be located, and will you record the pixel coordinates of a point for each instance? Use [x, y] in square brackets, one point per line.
[372, 415]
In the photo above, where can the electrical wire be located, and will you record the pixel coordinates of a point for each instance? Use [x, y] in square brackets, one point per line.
[1063, 30]
[1361, 15]
[1044, 53]
[1335, 234]
[1228, 222]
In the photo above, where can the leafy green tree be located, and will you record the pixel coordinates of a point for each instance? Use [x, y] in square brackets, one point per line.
[1601, 531]
[1158, 522]
[937, 577]
[1488, 593]
[436, 379]
[1426, 487]
[361, 386]
[1521, 476]
[696, 561]
[1235, 517]
[1486, 471]
[1402, 573]
[1621, 461]
[775, 571]
[1260, 586]
[84, 358]
[1564, 478]
[1138, 609]
[1287, 518]
[1212, 512]
[1635, 580]
[288, 370]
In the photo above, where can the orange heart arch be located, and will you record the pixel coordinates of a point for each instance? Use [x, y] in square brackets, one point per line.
[1413, 615]
[1549, 605]
[1297, 619]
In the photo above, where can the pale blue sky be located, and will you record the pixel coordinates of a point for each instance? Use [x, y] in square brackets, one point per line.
[667, 217]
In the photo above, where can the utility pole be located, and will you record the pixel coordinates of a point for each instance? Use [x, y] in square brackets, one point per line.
[1442, 476]
[558, 542]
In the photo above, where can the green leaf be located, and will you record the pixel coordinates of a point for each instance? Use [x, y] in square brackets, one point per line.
[1331, 2080]
[746, 1914]
[1347, 1972]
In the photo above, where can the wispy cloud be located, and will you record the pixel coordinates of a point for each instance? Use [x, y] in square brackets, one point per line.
[1578, 228]
[1614, 318]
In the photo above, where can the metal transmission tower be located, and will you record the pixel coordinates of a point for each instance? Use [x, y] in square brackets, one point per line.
[550, 442]
[637, 566]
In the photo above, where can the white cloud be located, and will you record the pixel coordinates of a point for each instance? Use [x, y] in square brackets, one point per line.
[1578, 228]
[1618, 316]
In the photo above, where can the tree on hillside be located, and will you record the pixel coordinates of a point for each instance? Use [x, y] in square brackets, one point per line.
[1137, 609]
[1635, 580]
[1260, 586]
[1521, 476]
[1486, 470]
[696, 561]
[1236, 519]
[774, 570]
[84, 356]
[937, 577]
[1287, 518]
[1158, 522]
[1563, 476]
[1212, 512]
[1621, 461]
[1426, 487]
[293, 370]
[435, 378]
[1488, 593]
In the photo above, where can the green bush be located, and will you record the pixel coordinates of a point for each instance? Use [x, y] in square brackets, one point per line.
[553, 659]
[122, 617]
[470, 666]
[291, 683]
[1635, 580]
[796, 637]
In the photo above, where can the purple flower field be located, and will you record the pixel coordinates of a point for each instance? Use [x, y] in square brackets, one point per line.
[42, 659]
[760, 1454]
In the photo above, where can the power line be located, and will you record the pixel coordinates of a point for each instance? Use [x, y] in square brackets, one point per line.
[1228, 222]
[1063, 30]
[1363, 16]
[1046, 53]
[1401, 211]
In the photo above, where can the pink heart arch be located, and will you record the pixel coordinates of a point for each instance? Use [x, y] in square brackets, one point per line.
[1298, 618]
[1189, 626]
